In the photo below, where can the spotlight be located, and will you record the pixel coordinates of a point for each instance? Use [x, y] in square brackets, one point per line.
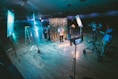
[42, 20]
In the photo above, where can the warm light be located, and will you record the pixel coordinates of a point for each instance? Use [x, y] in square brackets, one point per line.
[77, 54]
[64, 45]
[73, 26]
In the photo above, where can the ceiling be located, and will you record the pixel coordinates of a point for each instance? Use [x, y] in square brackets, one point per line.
[48, 8]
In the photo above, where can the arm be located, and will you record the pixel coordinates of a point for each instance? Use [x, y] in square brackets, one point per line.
[103, 33]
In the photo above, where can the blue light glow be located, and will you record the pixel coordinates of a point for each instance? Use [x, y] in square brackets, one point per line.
[36, 31]
[70, 17]
[112, 13]
[10, 23]
[94, 14]
[14, 37]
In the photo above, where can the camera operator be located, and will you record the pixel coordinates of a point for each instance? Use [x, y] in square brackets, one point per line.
[95, 28]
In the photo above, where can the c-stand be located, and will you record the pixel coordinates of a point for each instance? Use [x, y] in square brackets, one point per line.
[93, 43]
[76, 41]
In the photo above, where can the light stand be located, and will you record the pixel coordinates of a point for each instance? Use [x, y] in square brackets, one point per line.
[76, 41]
[27, 34]
[74, 64]
[94, 47]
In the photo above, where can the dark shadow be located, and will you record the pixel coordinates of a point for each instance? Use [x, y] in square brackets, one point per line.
[87, 78]
[112, 52]
[7, 69]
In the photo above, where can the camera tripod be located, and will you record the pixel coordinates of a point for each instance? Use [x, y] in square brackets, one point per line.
[93, 45]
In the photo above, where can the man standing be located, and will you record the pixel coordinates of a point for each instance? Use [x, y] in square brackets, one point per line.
[106, 39]
[61, 33]
[45, 32]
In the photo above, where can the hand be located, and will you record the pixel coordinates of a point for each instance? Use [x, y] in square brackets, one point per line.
[102, 32]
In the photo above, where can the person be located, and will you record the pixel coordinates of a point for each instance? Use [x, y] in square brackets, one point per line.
[45, 32]
[107, 38]
[95, 29]
[48, 32]
[71, 31]
[61, 33]
[93, 26]
[99, 25]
